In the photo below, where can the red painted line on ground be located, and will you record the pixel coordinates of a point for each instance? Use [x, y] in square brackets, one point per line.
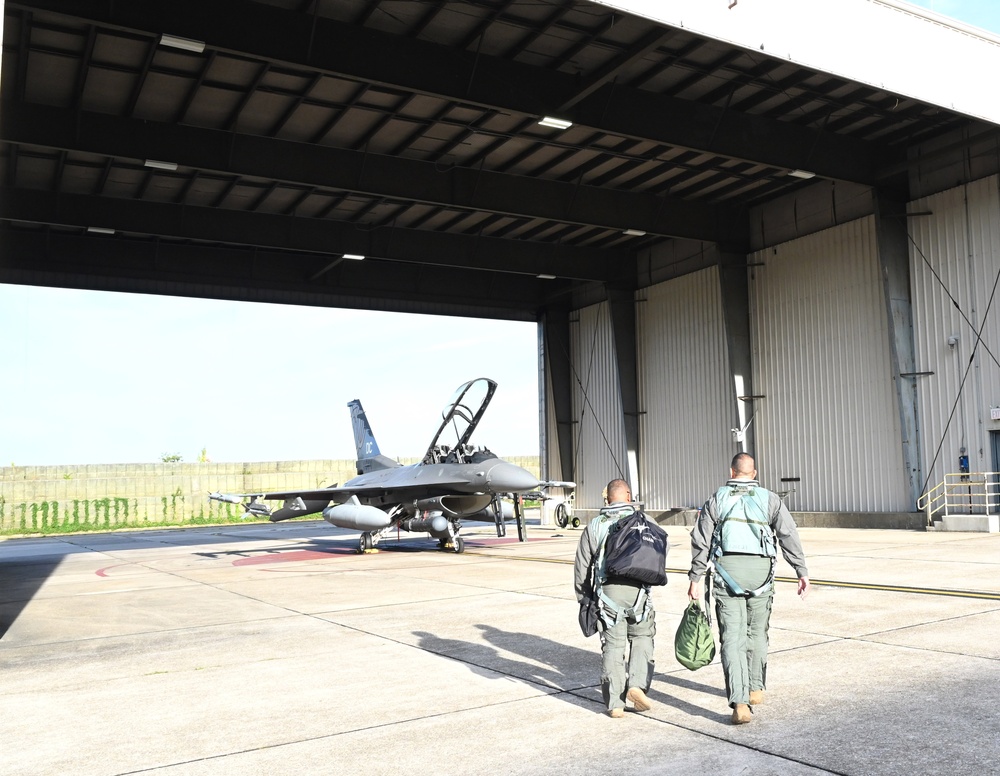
[293, 556]
[104, 572]
[298, 556]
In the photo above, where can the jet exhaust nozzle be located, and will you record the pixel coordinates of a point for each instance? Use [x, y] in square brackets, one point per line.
[358, 517]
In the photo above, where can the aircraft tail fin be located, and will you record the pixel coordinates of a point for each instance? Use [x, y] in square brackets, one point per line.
[364, 439]
[370, 457]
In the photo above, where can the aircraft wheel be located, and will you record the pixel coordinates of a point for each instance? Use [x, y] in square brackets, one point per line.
[365, 543]
[562, 517]
[576, 522]
[459, 544]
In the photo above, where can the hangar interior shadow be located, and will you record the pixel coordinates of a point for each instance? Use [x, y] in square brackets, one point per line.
[19, 582]
[23, 575]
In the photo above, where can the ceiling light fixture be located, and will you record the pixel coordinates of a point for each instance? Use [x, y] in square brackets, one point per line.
[634, 233]
[546, 277]
[354, 256]
[175, 41]
[100, 230]
[803, 174]
[550, 121]
[157, 165]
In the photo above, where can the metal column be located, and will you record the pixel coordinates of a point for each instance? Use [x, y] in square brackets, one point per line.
[735, 288]
[894, 264]
[555, 325]
[621, 302]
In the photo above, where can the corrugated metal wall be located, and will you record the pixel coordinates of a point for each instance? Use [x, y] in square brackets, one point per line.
[598, 435]
[685, 435]
[822, 362]
[955, 254]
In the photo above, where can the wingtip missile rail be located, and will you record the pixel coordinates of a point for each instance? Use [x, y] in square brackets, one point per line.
[253, 508]
[225, 498]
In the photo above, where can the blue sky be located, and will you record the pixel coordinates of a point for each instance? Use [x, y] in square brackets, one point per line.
[979, 13]
[94, 377]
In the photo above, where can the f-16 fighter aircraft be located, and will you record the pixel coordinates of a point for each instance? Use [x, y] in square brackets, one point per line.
[453, 482]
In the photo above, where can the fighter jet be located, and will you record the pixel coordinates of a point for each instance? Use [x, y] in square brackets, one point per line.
[453, 482]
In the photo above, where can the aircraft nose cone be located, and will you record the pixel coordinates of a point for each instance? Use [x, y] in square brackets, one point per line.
[508, 478]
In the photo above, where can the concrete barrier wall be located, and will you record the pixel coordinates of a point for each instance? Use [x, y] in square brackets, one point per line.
[55, 499]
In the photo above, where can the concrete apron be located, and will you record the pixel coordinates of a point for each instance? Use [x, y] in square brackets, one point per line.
[276, 649]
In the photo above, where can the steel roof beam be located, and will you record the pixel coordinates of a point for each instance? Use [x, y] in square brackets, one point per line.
[226, 153]
[324, 238]
[51, 258]
[368, 55]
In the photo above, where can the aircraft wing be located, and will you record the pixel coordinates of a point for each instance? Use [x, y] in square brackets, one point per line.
[314, 496]
[329, 494]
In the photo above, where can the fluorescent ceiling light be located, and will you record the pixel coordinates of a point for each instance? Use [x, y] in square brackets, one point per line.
[634, 233]
[549, 121]
[353, 256]
[546, 277]
[100, 230]
[804, 174]
[156, 165]
[174, 41]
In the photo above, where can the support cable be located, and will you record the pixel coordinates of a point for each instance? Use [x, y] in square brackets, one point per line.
[586, 399]
[952, 298]
[968, 367]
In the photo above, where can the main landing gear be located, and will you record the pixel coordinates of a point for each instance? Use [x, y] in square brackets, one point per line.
[455, 544]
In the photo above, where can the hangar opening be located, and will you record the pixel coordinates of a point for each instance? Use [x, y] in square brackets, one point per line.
[727, 242]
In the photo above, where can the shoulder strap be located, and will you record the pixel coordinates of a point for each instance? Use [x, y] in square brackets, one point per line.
[759, 498]
[603, 525]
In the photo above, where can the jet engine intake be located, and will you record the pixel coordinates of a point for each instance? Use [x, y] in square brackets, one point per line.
[506, 509]
[454, 506]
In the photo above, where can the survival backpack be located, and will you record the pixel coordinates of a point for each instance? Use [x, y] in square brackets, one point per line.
[743, 528]
[633, 556]
[636, 549]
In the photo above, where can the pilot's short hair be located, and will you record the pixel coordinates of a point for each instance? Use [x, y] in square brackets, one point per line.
[617, 490]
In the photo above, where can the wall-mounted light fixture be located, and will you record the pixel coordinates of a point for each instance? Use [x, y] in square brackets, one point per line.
[551, 121]
[803, 174]
[158, 165]
[545, 277]
[175, 41]
[354, 256]
[634, 232]
[99, 230]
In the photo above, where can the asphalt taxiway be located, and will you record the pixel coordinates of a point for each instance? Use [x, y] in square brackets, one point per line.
[276, 649]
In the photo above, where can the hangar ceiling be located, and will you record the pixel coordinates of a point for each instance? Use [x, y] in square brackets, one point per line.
[289, 133]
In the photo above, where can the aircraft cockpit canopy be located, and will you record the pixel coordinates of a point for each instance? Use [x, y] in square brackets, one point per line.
[459, 419]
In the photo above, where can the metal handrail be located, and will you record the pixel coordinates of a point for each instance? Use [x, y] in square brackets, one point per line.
[962, 493]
